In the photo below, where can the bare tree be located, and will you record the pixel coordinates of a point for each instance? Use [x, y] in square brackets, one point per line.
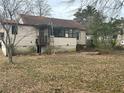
[9, 9]
[41, 8]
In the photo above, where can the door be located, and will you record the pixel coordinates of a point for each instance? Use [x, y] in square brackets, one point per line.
[41, 37]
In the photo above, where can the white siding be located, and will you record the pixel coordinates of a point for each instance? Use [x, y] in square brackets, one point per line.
[120, 38]
[82, 38]
[3, 48]
[25, 39]
[26, 36]
[64, 44]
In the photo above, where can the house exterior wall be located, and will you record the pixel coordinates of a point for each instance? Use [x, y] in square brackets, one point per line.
[3, 49]
[82, 38]
[120, 40]
[63, 44]
[2, 45]
[26, 36]
[25, 39]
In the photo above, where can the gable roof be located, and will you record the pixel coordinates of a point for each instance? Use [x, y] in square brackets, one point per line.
[41, 20]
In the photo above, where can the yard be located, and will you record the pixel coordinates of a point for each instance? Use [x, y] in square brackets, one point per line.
[63, 73]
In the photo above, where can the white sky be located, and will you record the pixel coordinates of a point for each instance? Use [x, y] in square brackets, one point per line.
[65, 11]
[62, 10]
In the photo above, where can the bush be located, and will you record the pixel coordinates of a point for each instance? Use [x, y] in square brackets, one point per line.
[119, 47]
[49, 50]
[113, 43]
[80, 47]
[32, 49]
[90, 44]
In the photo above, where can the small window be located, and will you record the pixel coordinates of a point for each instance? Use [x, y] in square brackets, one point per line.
[1, 36]
[70, 33]
[59, 32]
[14, 29]
[114, 36]
[77, 35]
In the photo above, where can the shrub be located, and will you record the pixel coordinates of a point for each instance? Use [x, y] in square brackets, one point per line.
[80, 47]
[90, 44]
[119, 47]
[32, 49]
[49, 50]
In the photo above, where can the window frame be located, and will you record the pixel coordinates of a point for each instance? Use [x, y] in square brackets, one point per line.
[14, 29]
[1, 35]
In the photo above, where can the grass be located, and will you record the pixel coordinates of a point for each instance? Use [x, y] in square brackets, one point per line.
[63, 73]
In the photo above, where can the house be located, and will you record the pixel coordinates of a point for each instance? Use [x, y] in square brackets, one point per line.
[119, 34]
[62, 35]
[120, 39]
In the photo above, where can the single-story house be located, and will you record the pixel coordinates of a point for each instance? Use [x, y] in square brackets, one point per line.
[34, 32]
[120, 40]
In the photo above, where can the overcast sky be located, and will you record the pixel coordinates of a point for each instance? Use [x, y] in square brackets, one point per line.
[65, 11]
[62, 10]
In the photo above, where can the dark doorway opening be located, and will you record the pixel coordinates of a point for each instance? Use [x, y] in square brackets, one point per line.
[41, 40]
[38, 45]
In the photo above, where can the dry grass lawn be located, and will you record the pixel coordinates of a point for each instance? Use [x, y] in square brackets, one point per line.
[63, 73]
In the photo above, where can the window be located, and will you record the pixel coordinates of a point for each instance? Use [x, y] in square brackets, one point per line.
[45, 38]
[1, 36]
[59, 32]
[76, 34]
[114, 36]
[50, 32]
[73, 34]
[70, 33]
[66, 33]
[14, 29]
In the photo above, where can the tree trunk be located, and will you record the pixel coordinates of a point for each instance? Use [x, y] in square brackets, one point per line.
[10, 54]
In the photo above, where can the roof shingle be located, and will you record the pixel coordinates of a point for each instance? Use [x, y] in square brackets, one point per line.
[40, 20]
